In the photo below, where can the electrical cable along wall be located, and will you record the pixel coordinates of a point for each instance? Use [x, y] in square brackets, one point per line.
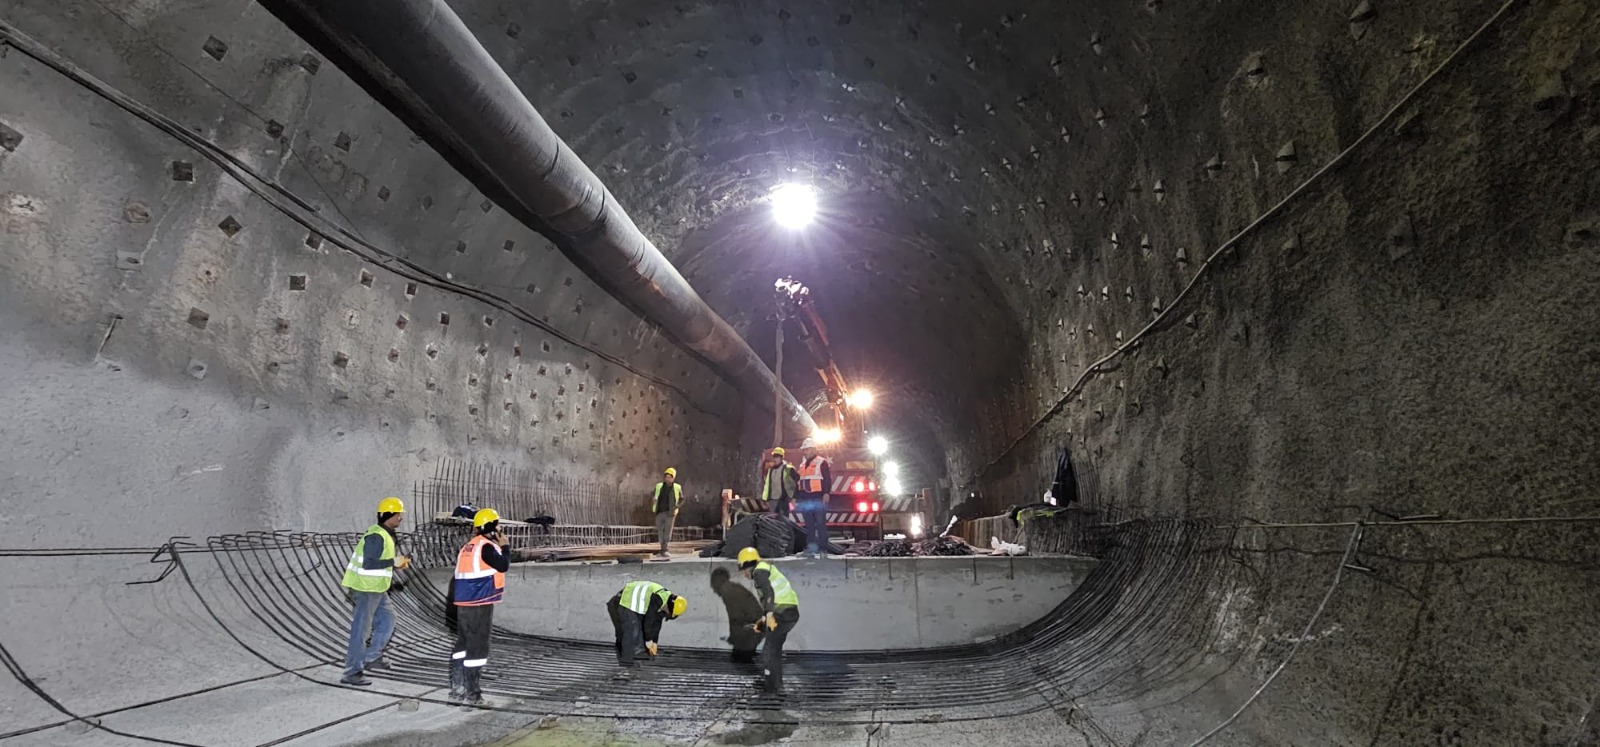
[418, 58]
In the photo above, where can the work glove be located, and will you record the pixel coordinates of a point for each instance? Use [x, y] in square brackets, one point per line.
[652, 648]
[402, 562]
[772, 621]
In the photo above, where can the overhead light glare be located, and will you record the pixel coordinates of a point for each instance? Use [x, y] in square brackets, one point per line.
[794, 205]
[878, 445]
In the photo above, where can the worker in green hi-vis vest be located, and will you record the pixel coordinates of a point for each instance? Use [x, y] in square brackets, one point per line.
[636, 616]
[368, 576]
[665, 501]
[782, 608]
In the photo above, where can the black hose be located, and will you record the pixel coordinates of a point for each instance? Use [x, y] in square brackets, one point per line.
[418, 59]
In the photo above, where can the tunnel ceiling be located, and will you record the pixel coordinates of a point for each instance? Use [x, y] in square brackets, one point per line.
[938, 134]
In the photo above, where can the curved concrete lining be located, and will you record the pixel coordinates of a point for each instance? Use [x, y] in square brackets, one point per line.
[847, 604]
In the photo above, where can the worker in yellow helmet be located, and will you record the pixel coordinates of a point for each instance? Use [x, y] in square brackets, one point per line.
[368, 576]
[780, 483]
[666, 499]
[636, 615]
[479, 585]
[782, 608]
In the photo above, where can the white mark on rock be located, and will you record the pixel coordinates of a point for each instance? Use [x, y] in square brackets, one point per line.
[200, 470]
[1308, 638]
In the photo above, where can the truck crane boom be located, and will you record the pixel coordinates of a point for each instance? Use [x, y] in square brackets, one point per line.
[794, 303]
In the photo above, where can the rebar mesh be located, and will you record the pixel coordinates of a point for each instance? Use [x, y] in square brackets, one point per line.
[435, 545]
[1140, 612]
[522, 494]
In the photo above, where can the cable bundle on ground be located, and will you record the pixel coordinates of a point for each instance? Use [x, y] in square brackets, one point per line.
[895, 548]
[944, 546]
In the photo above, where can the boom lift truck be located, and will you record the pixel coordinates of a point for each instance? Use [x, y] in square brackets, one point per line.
[857, 507]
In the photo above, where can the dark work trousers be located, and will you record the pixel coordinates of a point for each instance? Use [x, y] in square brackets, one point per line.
[664, 529]
[815, 513]
[472, 643]
[772, 648]
[629, 628]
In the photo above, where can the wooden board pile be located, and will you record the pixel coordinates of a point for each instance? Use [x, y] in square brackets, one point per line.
[641, 551]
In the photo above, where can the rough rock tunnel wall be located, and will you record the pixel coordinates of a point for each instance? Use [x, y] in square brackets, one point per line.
[182, 356]
[1414, 332]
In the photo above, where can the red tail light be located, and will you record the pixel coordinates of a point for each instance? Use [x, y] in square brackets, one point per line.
[861, 507]
[874, 506]
[872, 486]
[861, 486]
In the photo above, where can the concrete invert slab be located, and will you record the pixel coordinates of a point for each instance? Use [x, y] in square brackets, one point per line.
[847, 604]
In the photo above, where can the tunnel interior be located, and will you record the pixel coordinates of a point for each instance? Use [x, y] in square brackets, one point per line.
[1306, 290]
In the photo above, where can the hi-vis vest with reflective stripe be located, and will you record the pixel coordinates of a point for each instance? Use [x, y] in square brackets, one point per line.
[677, 497]
[476, 583]
[636, 595]
[811, 475]
[360, 578]
[782, 593]
[786, 477]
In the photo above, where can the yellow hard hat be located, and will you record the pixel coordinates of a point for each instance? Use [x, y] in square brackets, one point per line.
[484, 516]
[679, 605]
[749, 555]
[777, 451]
[672, 471]
[391, 505]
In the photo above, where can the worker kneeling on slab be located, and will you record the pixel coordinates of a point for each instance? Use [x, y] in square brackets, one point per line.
[636, 615]
[480, 583]
[782, 608]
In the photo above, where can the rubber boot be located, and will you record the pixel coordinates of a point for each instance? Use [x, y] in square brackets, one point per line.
[474, 696]
[458, 682]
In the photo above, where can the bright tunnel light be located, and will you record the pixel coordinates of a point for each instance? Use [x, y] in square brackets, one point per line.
[878, 445]
[860, 399]
[825, 435]
[890, 469]
[794, 205]
[892, 486]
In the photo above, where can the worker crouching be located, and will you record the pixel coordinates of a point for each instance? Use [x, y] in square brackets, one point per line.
[636, 616]
[782, 610]
[480, 583]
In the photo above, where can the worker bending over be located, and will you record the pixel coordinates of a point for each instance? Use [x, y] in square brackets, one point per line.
[666, 500]
[782, 607]
[636, 615]
[368, 576]
[480, 582]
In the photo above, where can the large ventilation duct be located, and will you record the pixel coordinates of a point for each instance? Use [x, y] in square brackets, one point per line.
[418, 58]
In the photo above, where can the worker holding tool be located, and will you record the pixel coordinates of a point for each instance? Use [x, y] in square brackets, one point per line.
[666, 500]
[782, 607]
[368, 576]
[479, 584]
[636, 615]
[816, 486]
[781, 483]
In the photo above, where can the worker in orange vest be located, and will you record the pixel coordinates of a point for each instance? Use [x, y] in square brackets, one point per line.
[816, 487]
[480, 583]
